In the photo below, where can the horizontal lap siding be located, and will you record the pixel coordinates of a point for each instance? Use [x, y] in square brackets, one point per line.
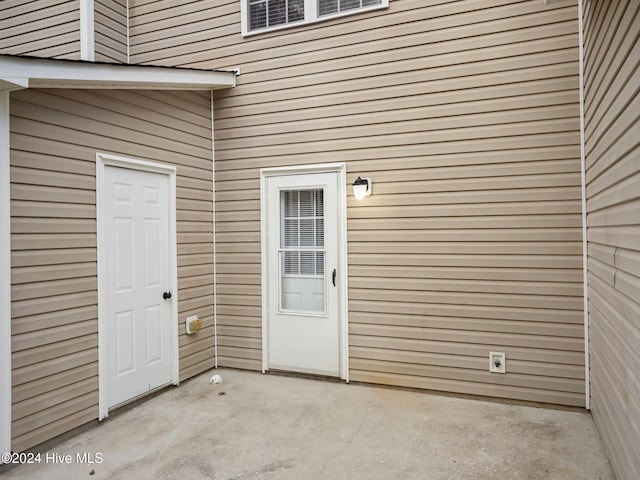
[55, 135]
[42, 28]
[465, 115]
[157, 30]
[612, 129]
[110, 19]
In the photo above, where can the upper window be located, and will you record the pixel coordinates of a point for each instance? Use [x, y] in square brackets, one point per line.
[269, 13]
[260, 15]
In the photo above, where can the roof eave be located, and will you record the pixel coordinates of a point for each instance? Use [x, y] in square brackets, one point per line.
[28, 72]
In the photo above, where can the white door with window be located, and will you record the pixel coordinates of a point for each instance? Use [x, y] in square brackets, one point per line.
[139, 313]
[303, 327]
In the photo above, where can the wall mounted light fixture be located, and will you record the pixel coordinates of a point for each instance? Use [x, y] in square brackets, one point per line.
[362, 188]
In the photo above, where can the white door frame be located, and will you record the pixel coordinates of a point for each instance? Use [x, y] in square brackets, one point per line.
[104, 160]
[341, 170]
[5, 277]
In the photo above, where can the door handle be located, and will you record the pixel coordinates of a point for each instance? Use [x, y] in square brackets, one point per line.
[333, 276]
[166, 295]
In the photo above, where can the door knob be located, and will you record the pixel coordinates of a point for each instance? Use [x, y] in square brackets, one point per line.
[166, 295]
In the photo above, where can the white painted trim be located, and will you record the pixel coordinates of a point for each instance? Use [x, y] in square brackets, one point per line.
[264, 269]
[244, 20]
[344, 265]
[310, 14]
[215, 264]
[341, 170]
[128, 34]
[104, 160]
[292, 170]
[52, 73]
[87, 31]
[13, 83]
[5, 277]
[583, 183]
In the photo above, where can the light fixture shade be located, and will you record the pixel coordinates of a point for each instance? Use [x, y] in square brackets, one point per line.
[362, 188]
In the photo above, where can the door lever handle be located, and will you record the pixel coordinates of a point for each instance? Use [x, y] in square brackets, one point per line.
[333, 276]
[166, 295]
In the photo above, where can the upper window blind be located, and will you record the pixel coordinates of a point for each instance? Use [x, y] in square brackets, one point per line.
[302, 236]
[327, 7]
[269, 13]
[272, 14]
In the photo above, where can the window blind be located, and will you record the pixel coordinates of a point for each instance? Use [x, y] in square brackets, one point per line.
[268, 13]
[302, 228]
[327, 7]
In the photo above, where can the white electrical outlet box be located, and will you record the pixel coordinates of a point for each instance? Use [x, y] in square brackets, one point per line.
[192, 324]
[497, 362]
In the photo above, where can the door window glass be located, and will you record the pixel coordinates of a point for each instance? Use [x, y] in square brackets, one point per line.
[302, 253]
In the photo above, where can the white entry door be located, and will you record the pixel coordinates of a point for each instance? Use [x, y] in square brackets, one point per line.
[138, 298]
[303, 324]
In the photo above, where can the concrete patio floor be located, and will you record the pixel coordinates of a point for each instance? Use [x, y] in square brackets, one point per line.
[276, 427]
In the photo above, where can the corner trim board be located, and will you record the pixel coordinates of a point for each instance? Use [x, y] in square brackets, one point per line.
[87, 30]
[5, 276]
[128, 33]
[583, 188]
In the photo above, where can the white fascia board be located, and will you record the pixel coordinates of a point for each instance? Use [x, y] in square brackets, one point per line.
[48, 73]
[13, 83]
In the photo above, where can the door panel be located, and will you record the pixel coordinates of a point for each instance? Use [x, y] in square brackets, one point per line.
[124, 342]
[303, 322]
[137, 273]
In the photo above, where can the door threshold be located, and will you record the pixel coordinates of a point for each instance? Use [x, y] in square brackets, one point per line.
[137, 400]
[308, 376]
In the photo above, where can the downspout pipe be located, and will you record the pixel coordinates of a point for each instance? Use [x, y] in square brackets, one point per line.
[215, 281]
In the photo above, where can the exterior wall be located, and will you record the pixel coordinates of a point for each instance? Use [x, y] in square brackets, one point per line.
[186, 27]
[612, 129]
[42, 28]
[110, 18]
[465, 115]
[55, 135]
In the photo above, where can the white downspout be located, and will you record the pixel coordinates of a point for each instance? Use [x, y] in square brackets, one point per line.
[5, 277]
[215, 281]
[583, 183]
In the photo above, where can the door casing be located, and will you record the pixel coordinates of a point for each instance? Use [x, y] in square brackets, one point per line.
[104, 160]
[340, 170]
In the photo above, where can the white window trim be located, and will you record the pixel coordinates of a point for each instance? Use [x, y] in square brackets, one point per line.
[104, 160]
[310, 14]
[341, 170]
[5, 278]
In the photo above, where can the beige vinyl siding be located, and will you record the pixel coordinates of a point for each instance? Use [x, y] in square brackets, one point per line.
[55, 135]
[110, 17]
[466, 117]
[612, 129]
[158, 30]
[42, 28]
